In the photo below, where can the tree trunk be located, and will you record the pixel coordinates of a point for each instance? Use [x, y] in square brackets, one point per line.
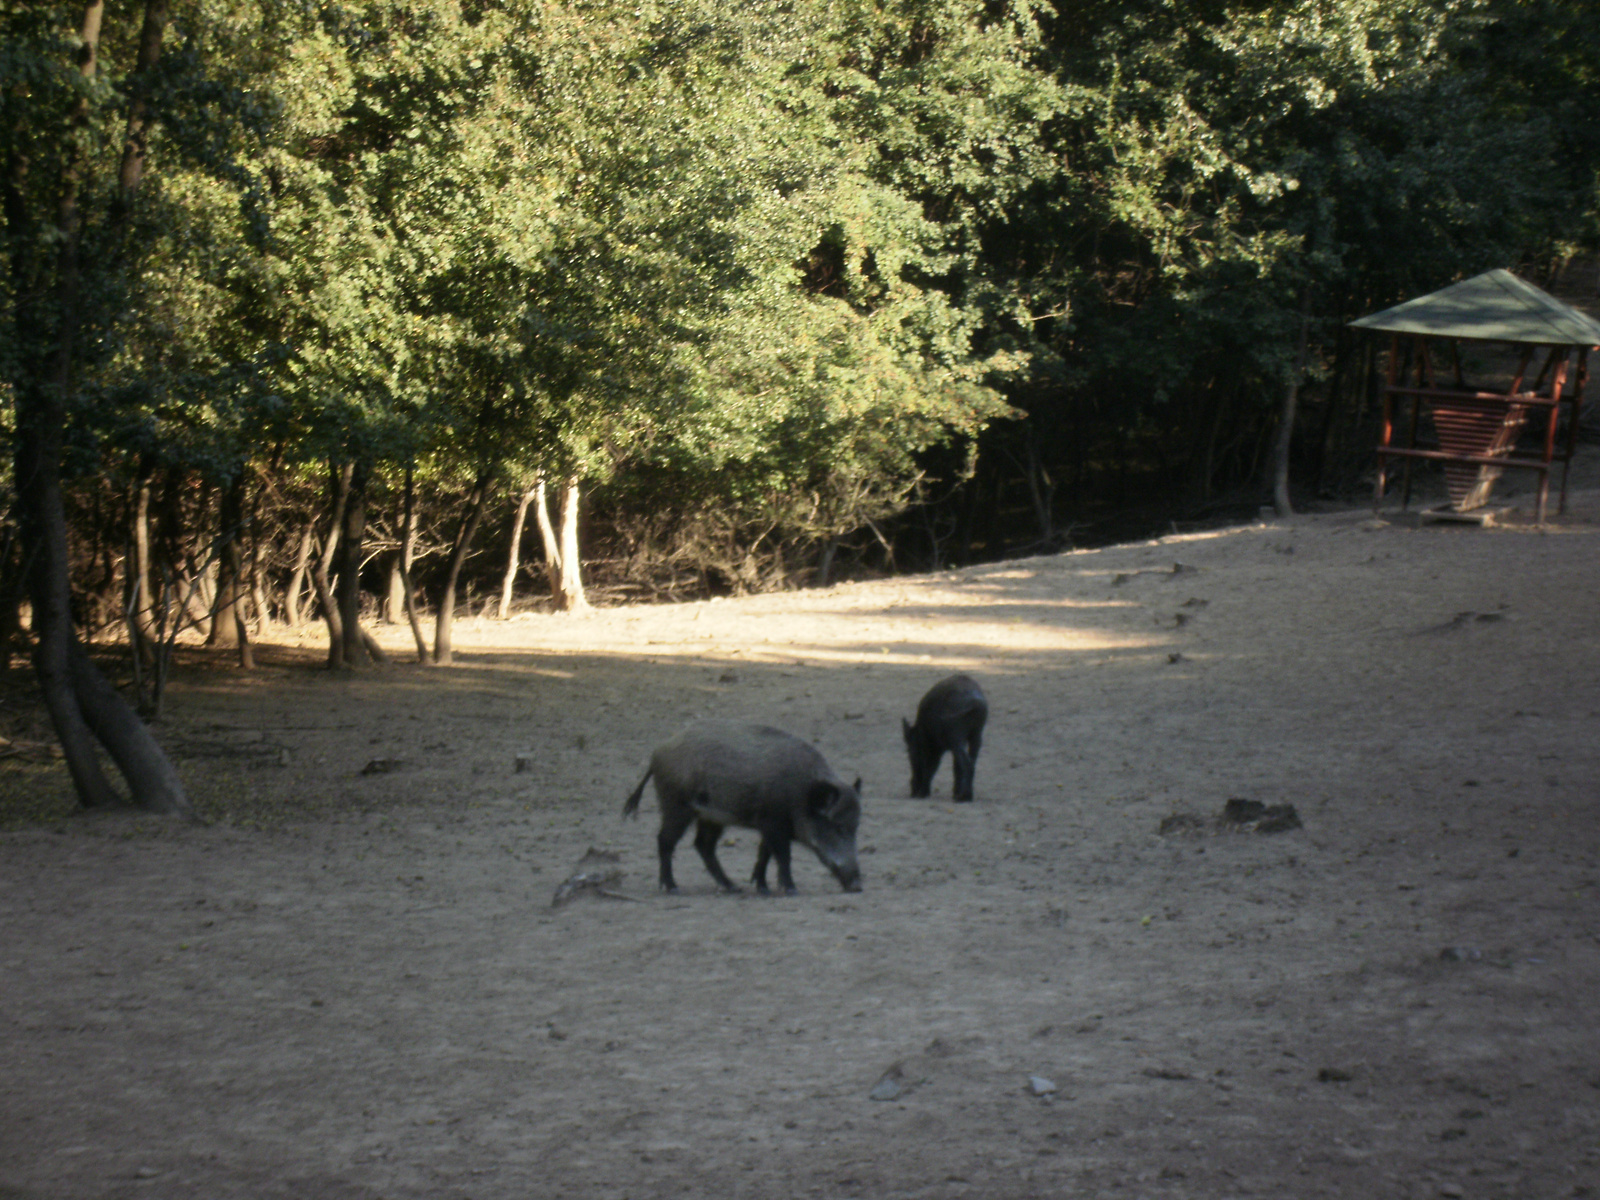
[260, 607]
[547, 538]
[227, 621]
[825, 554]
[1041, 492]
[408, 544]
[83, 707]
[134, 146]
[394, 593]
[562, 563]
[1206, 461]
[1291, 399]
[514, 555]
[141, 628]
[297, 577]
[339, 481]
[355, 647]
[178, 555]
[40, 420]
[444, 614]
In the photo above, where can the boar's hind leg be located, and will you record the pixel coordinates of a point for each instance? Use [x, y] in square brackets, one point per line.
[705, 841]
[673, 824]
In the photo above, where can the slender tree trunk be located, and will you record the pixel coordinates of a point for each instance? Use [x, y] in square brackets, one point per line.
[202, 590]
[339, 481]
[394, 593]
[1291, 399]
[134, 145]
[547, 537]
[1206, 460]
[825, 554]
[227, 622]
[142, 627]
[444, 614]
[1041, 491]
[200, 564]
[297, 577]
[1334, 384]
[408, 546]
[356, 643]
[514, 555]
[572, 597]
[178, 555]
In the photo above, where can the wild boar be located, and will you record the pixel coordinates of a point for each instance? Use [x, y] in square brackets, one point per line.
[723, 773]
[950, 717]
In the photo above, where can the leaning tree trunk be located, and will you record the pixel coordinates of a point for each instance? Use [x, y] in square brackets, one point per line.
[547, 538]
[292, 613]
[83, 707]
[339, 481]
[444, 613]
[514, 556]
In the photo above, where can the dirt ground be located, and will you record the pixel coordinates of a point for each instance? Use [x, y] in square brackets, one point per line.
[355, 985]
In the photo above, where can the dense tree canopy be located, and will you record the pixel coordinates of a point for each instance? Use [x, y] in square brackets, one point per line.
[294, 290]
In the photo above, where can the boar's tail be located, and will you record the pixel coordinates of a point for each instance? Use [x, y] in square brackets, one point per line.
[631, 808]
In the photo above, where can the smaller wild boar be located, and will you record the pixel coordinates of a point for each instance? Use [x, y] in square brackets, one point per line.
[950, 717]
[723, 773]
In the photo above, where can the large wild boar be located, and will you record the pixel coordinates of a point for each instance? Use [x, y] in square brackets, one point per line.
[723, 773]
[950, 717]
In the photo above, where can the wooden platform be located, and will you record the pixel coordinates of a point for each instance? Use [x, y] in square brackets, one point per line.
[1481, 517]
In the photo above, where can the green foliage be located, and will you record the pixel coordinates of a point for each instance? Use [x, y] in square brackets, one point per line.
[766, 257]
[1226, 163]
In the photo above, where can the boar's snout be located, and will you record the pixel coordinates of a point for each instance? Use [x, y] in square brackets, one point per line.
[848, 875]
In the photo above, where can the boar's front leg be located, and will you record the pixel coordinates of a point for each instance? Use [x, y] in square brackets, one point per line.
[705, 841]
[759, 878]
[778, 840]
[775, 843]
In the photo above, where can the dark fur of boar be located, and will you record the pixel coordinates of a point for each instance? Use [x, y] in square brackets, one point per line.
[951, 717]
[722, 773]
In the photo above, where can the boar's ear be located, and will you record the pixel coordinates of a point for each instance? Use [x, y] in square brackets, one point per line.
[821, 796]
[858, 785]
[905, 729]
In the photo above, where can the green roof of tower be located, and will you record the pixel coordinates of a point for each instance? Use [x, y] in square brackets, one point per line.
[1493, 307]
